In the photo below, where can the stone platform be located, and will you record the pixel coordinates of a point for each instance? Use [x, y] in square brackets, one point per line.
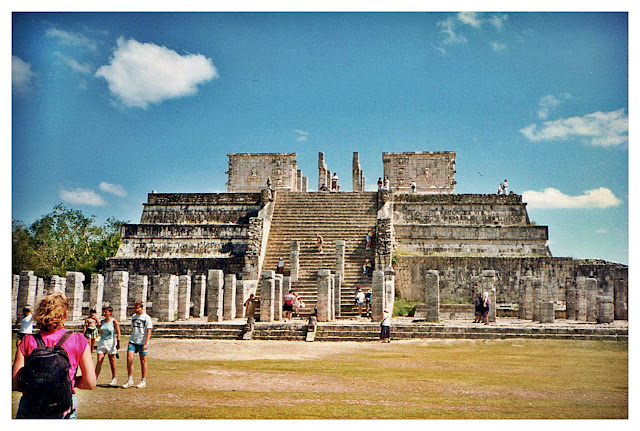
[402, 328]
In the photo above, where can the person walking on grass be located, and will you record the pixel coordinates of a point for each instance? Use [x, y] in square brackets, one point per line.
[138, 343]
[51, 395]
[108, 344]
[90, 328]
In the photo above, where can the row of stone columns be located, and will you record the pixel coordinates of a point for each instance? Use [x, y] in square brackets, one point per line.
[585, 304]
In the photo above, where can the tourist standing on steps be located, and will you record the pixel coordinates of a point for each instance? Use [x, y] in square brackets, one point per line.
[280, 268]
[505, 187]
[323, 188]
[367, 301]
[486, 304]
[379, 183]
[138, 343]
[90, 328]
[334, 182]
[387, 184]
[366, 268]
[385, 327]
[413, 186]
[297, 304]
[319, 242]
[108, 344]
[25, 324]
[250, 309]
[287, 307]
[359, 301]
[50, 315]
[368, 238]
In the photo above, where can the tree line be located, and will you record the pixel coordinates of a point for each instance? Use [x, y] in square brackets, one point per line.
[63, 240]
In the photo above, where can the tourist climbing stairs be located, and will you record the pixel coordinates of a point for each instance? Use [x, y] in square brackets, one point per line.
[347, 216]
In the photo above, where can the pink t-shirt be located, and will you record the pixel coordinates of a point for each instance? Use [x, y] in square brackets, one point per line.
[75, 345]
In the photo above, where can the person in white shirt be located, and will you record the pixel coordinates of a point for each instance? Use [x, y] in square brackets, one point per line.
[26, 324]
[138, 343]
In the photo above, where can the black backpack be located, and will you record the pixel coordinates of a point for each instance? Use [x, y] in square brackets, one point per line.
[45, 380]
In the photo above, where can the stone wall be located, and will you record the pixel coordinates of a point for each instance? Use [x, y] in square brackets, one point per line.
[432, 171]
[459, 276]
[249, 172]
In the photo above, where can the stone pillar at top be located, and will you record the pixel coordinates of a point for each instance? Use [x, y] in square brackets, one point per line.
[432, 296]
[75, 294]
[322, 171]
[27, 285]
[215, 281]
[96, 292]
[340, 252]
[117, 285]
[357, 174]
[324, 295]
[164, 297]
[294, 259]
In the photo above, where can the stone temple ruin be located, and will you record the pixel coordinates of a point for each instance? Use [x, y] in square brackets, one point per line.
[203, 254]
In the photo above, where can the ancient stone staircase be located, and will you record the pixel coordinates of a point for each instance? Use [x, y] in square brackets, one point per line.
[344, 216]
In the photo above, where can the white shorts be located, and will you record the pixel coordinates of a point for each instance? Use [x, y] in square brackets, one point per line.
[108, 346]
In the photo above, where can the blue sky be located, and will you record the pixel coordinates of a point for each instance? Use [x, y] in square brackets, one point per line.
[109, 106]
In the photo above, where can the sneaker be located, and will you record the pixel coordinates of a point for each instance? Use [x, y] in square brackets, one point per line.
[113, 382]
[142, 384]
[128, 384]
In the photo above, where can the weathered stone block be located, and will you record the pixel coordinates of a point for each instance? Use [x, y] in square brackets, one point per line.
[117, 284]
[229, 297]
[215, 283]
[184, 297]
[96, 292]
[198, 295]
[432, 296]
[74, 292]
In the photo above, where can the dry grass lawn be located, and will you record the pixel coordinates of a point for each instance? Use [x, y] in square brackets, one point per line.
[448, 379]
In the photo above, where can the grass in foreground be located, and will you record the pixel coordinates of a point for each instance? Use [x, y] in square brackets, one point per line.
[488, 379]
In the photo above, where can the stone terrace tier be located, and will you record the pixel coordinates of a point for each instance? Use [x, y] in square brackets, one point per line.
[466, 225]
[344, 216]
[200, 208]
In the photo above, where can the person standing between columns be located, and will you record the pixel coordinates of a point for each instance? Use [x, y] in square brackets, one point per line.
[250, 307]
[486, 303]
[413, 186]
[138, 343]
[387, 184]
[287, 307]
[385, 327]
[280, 267]
[90, 328]
[379, 183]
[334, 182]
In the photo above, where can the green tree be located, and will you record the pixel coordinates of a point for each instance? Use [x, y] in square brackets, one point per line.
[64, 240]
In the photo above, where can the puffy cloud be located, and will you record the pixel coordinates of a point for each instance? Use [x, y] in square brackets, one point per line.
[470, 18]
[114, 189]
[82, 197]
[302, 136]
[600, 129]
[551, 198]
[71, 39]
[144, 73]
[21, 76]
[497, 21]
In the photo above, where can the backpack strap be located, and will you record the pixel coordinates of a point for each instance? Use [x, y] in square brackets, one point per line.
[39, 341]
[60, 342]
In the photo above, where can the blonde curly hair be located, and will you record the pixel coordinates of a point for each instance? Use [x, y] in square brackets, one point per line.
[52, 311]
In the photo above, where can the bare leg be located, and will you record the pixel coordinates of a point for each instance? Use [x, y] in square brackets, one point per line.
[130, 363]
[112, 362]
[143, 365]
[99, 364]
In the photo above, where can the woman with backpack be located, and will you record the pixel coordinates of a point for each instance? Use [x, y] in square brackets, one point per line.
[44, 368]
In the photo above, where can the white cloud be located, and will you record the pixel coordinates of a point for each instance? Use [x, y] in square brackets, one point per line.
[551, 198]
[497, 21]
[82, 197]
[447, 27]
[114, 189]
[549, 103]
[302, 135]
[498, 46]
[470, 18]
[85, 69]
[21, 76]
[602, 231]
[600, 129]
[71, 39]
[144, 73]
